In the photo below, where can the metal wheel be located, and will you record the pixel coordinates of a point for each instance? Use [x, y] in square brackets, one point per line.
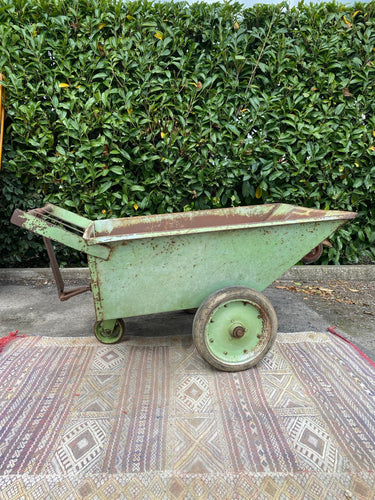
[234, 328]
[314, 255]
[110, 331]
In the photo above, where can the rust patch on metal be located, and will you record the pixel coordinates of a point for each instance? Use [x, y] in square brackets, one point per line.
[211, 219]
[17, 218]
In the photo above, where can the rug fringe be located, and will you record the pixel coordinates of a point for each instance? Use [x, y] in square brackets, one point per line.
[363, 355]
[5, 340]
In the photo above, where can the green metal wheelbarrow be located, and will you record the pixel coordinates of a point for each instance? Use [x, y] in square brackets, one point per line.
[215, 260]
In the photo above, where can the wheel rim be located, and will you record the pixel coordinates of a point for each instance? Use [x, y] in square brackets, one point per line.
[313, 255]
[107, 336]
[235, 332]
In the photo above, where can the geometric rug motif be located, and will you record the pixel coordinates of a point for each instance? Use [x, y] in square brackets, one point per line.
[149, 419]
[197, 446]
[193, 394]
[313, 444]
[284, 390]
[80, 447]
[108, 358]
[97, 395]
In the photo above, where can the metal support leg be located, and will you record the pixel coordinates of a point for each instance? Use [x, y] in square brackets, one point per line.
[63, 295]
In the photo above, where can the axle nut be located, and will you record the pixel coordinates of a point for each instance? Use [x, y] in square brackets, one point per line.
[238, 332]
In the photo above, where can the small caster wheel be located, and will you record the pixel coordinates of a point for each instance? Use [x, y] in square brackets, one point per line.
[109, 331]
[234, 328]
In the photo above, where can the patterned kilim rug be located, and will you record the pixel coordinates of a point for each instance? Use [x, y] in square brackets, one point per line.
[148, 419]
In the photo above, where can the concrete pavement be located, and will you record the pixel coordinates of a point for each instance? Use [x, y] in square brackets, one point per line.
[29, 304]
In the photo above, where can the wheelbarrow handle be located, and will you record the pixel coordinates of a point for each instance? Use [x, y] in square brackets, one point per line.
[60, 225]
[55, 223]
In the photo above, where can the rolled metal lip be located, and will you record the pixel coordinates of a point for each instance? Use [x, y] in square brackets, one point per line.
[149, 226]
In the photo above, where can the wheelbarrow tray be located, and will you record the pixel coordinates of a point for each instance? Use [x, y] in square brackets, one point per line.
[174, 261]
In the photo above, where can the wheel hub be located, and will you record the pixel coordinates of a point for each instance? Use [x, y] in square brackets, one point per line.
[238, 331]
[233, 331]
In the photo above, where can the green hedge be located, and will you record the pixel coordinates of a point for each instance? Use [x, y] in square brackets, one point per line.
[117, 109]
